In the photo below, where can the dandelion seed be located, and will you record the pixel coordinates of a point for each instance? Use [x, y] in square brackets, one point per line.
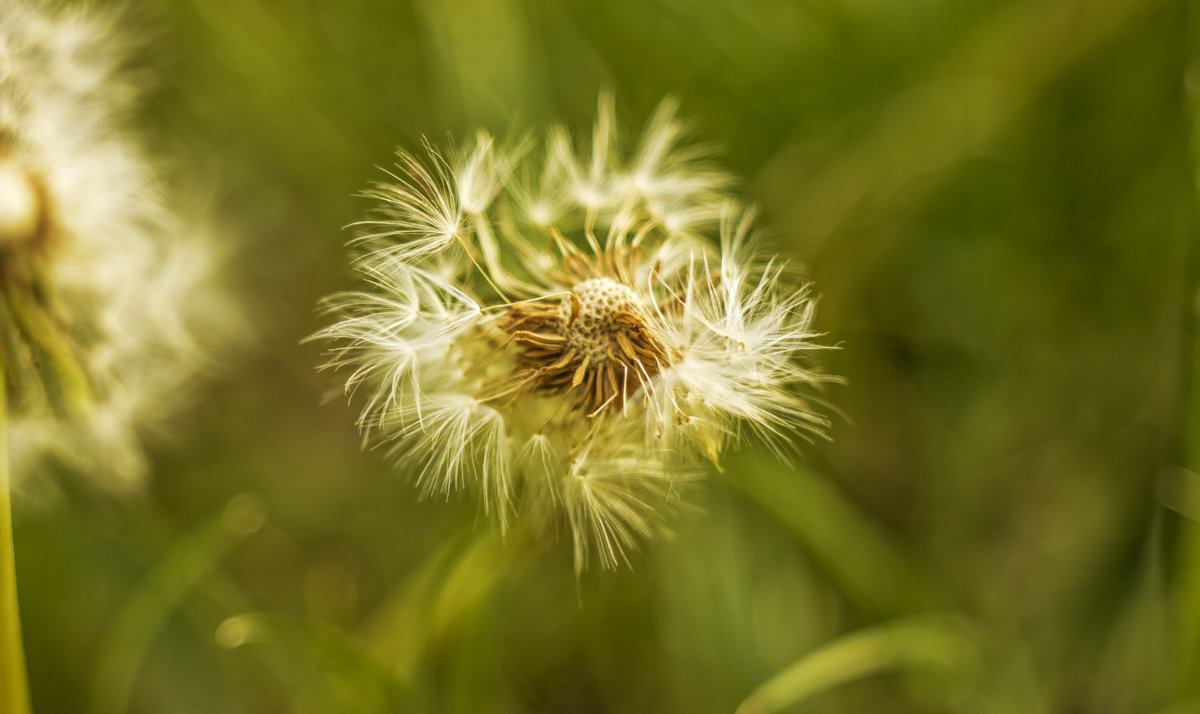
[571, 332]
[108, 302]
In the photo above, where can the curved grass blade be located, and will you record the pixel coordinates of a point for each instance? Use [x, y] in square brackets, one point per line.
[146, 611]
[922, 642]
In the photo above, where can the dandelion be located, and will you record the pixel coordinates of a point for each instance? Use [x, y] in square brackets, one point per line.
[108, 301]
[98, 333]
[557, 328]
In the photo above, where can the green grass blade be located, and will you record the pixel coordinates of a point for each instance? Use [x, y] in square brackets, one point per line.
[856, 552]
[149, 606]
[931, 641]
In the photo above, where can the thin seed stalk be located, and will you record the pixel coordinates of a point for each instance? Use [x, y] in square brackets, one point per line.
[14, 686]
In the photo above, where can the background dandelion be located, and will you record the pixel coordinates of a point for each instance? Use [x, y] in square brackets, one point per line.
[99, 279]
[110, 298]
[995, 198]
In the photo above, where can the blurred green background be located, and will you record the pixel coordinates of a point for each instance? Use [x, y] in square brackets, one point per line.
[994, 198]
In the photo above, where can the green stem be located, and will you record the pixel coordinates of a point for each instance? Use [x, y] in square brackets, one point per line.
[14, 687]
[72, 390]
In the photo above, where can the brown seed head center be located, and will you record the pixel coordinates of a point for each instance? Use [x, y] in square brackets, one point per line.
[595, 343]
[588, 315]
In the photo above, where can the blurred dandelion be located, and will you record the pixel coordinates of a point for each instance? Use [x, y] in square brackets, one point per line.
[557, 327]
[107, 296]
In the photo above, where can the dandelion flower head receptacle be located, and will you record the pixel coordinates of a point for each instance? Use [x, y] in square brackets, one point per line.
[568, 330]
[107, 295]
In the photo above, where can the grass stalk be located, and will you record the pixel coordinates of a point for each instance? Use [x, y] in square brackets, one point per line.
[14, 683]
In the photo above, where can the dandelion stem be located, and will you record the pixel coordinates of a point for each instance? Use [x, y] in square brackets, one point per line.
[14, 687]
[41, 330]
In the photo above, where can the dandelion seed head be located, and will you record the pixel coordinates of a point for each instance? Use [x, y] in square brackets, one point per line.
[571, 329]
[110, 302]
